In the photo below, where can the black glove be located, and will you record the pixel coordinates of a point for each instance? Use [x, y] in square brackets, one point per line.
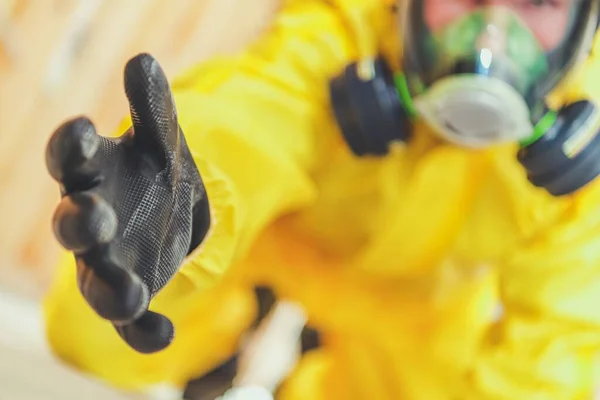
[132, 208]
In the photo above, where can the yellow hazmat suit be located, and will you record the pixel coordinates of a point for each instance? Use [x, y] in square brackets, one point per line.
[433, 273]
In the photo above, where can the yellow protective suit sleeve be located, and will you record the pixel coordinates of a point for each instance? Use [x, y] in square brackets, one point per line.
[252, 124]
[547, 344]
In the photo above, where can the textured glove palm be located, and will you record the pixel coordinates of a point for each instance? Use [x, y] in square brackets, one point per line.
[133, 207]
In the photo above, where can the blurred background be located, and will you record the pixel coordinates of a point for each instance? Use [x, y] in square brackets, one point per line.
[60, 58]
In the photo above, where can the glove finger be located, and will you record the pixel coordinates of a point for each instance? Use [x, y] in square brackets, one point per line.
[113, 292]
[69, 151]
[150, 333]
[152, 107]
[84, 220]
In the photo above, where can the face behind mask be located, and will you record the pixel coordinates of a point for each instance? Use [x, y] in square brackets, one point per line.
[478, 72]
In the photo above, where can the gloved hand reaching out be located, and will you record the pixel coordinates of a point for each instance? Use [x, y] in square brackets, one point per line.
[132, 208]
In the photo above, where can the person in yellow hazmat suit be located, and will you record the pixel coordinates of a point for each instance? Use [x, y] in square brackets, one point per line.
[421, 176]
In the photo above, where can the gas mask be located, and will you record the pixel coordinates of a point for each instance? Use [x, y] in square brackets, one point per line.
[478, 73]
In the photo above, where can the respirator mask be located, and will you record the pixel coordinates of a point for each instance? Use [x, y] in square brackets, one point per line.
[478, 71]
[480, 74]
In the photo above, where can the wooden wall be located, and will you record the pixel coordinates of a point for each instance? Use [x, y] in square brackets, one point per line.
[60, 58]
